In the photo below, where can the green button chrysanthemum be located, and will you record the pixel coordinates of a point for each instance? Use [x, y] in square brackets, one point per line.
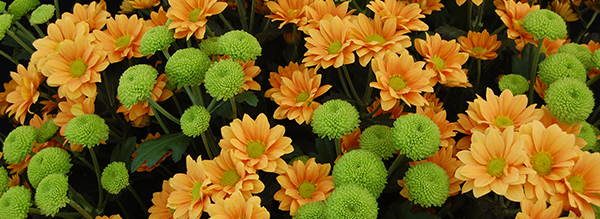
[596, 59]
[187, 67]
[19, 143]
[5, 23]
[115, 177]
[224, 79]
[42, 14]
[312, 210]
[210, 46]
[88, 130]
[428, 184]
[334, 119]
[561, 65]
[588, 133]
[416, 136]
[194, 121]
[4, 180]
[581, 52]
[47, 131]
[351, 202]
[15, 203]
[239, 45]
[517, 84]
[156, 39]
[136, 84]
[51, 194]
[378, 139]
[363, 168]
[48, 161]
[545, 23]
[18, 8]
[2, 6]
[569, 100]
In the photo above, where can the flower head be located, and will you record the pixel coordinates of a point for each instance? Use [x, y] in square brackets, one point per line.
[115, 177]
[237, 206]
[376, 36]
[88, 130]
[565, 10]
[362, 168]
[480, 45]
[143, 4]
[427, 184]
[18, 144]
[512, 16]
[582, 185]
[42, 14]
[416, 136]
[94, 14]
[25, 94]
[48, 161]
[378, 140]
[330, 45]
[189, 17]
[322, 9]
[19, 8]
[15, 202]
[545, 23]
[581, 52]
[159, 209]
[224, 79]
[136, 84]
[334, 119]
[5, 23]
[288, 11]
[4, 180]
[407, 15]
[239, 45]
[444, 57]
[589, 134]
[569, 100]
[312, 210]
[51, 194]
[515, 83]
[187, 67]
[539, 209]
[156, 39]
[194, 121]
[58, 32]
[122, 37]
[559, 66]
[445, 159]
[69, 109]
[228, 175]
[190, 193]
[351, 202]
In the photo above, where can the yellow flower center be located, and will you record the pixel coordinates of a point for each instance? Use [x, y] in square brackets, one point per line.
[438, 62]
[503, 121]
[306, 189]
[334, 47]
[577, 183]
[496, 167]
[230, 178]
[255, 149]
[479, 50]
[194, 15]
[397, 83]
[122, 41]
[375, 38]
[78, 68]
[197, 191]
[302, 97]
[542, 163]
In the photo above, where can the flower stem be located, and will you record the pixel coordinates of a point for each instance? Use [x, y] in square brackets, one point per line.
[165, 51]
[19, 41]
[136, 197]
[587, 26]
[369, 89]
[399, 160]
[6, 56]
[56, 9]
[252, 14]
[338, 148]
[161, 123]
[26, 31]
[242, 13]
[344, 86]
[351, 85]
[233, 107]
[469, 15]
[38, 30]
[80, 210]
[211, 105]
[532, 73]
[226, 22]
[478, 64]
[163, 111]
[207, 147]
[191, 95]
[97, 171]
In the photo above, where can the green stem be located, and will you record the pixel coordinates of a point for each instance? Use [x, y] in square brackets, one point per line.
[226, 22]
[233, 107]
[80, 210]
[469, 14]
[123, 209]
[242, 13]
[97, 171]
[79, 198]
[38, 30]
[338, 148]
[165, 51]
[343, 82]
[28, 33]
[108, 89]
[56, 9]
[356, 5]
[592, 80]
[198, 94]
[587, 26]
[177, 104]
[59, 214]
[478, 64]
[6, 56]
[369, 89]
[136, 197]
[532, 73]
[252, 14]
[351, 85]
[497, 30]
[161, 123]
[19, 41]
[399, 160]
[207, 147]
[212, 104]
[163, 111]
[191, 95]
[209, 32]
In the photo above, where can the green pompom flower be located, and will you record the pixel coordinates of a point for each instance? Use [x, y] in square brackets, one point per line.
[416, 136]
[5, 23]
[581, 52]
[19, 143]
[42, 14]
[545, 23]
[351, 202]
[51, 194]
[312, 210]
[224, 79]
[19, 8]
[210, 46]
[427, 184]
[115, 177]
[48, 161]
[569, 100]
[47, 131]
[363, 168]
[334, 119]
[2, 6]
[595, 59]
[88, 130]
[194, 121]
[517, 84]
[187, 67]
[378, 139]
[15, 203]
[559, 66]
[239, 45]
[136, 84]
[588, 133]
[156, 39]
[4, 180]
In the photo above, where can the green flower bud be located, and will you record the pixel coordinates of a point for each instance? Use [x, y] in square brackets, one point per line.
[115, 177]
[136, 84]
[239, 45]
[156, 39]
[361, 168]
[545, 23]
[569, 100]
[517, 84]
[334, 119]
[48, 161]
[19, 8]
[19, 143]
[378, 139]
[224, 79]
[194, 121]
[416, 136]
[51, 194]
[559, 66]
[42, 14]
[351, 202]
[5, 23]
[187, 67]
[88, 130]
[428, 184]
[210, 46]
[15, 203]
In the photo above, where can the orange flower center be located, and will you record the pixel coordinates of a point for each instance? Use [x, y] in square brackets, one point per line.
[375, 38]
[397, 83]
[302, 97]
[577, 183]
[542, 163]
[496, 167]
[438, 62]
[334, 47]
[306, 189]
[230, 178]
[78, 68]
[255, 149]
[503, 121]
[479, 50]
[197, 191]
[194, 15]
[122, 41]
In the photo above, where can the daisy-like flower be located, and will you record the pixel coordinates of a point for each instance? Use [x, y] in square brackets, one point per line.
[446, 160]
[512, 16]
[139, 113]
[330, 45]
[399, 77]
[159, 209]
[126, 7]
[228, 175]
[25, 93]
[237, 206]
[407, 15]
[550, 47]
[447, 129]
[428, 6]
[444, 57]
[350, 141]
[476, 2]
[122, 37]
[69, 109]
[115, 216]
[302, 183]
[376, 37]
[593, 46]
[190, 193]
[321, 9]
[375, 109]
[256, 144]
[288, 11]
[539, 209]
[190, 16]
[76, 68]
[94, 14]
[480, 45]
[143, 4]
[250, 72]
[563, 8]
[286, 71]
[158, 18]
[548, 119]
[8, 87]
[58, 32]
[583, 186]
[494, 162]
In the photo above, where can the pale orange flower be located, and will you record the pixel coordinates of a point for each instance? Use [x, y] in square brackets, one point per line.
[144, 166]
[476, 2]
[447, 129]
[376, 37]
[375, 109]
[350, 141]
[122, 37]
[550, 47]
[189, 17]
[286, 71]
[407, 15]
[126, 7]
[593, 46]
[58, 32]
[69, 109]
[139, 113]
[548, 119]
[583, 186]
[330, 45]
[399, 77]
[8, 87]
[237, 207]
[446, 160]
[322, 9]
[428, 6]
[250, 72]
[20, 167]
[228, 175]
[26, 92]
[494, 162]
[115, 216]
[539, 210]
[143, 4]
[190, 193]
[480, 45]
[302, 183]
[434, 102]
[512, 16]
[288, 11]
[445, 58]
[94, 14]
[159, 209]
[256, 144]
[563, 8]
[159, 17]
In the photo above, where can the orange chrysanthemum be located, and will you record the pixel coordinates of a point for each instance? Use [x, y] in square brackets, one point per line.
[94, 14]
[58, 32]
[8, 88]
[593, 46]
[26, 92]
[548, 119]
[330, 45]
[428, 6]
[228, 175]
[583, 186]
[69, 109]
[407, 15]
[447, 129]
[189, 17]
[350, 141]
[286, 71]
[446, 160]
[158, 18]
[122, 37]
[190, 193]
[237, 206]
[539, 210]
[302, 183]
[563, 8]
[375, 37]
[322, 9]
[144, 166]
[288, 11]
[512, 16]
[375, 109]
[256, 144]
[250, 72]
[143, 4]
[115, 216]
[445, 58]
[399, 77]
[550, 47]
[480, 45]
[159, 209]
[494, 162]
[139, 113]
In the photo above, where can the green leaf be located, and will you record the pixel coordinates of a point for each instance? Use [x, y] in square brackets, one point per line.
[122, 152]
[151, 151]
[248, 98]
